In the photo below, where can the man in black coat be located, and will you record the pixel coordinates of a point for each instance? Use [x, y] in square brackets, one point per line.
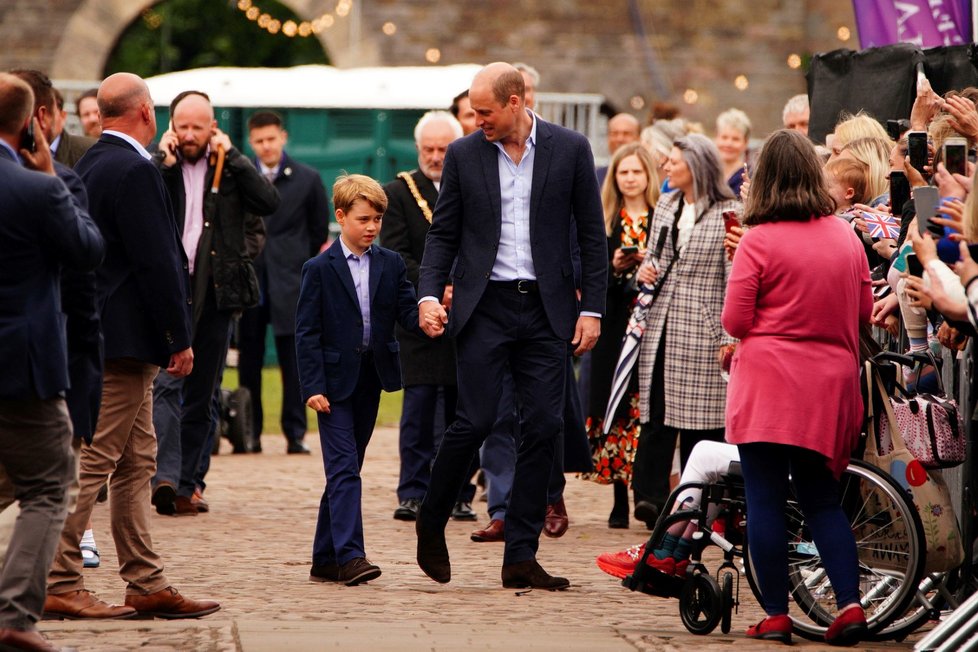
[427, 365]
[215, 211]
[294, 233]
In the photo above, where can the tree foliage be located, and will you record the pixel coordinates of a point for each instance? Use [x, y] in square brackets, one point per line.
[182, 34]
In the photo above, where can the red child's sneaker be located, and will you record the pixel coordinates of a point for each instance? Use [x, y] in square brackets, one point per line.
[772, 628]
[620, 564]
[848, 628]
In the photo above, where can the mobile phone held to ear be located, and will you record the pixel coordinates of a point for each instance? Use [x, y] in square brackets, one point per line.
[926, 201]
[917, 149]
[955, 155]
[730, 220]
[914, 268]
[899, 191]
[27, 137]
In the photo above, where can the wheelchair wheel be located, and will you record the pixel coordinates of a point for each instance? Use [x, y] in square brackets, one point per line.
[701, 604]
[890, 547]
[726, 593]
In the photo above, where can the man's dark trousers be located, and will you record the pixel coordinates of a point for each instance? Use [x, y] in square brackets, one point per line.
[507, 328]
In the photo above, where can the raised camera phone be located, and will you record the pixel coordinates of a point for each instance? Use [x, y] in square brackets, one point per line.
[730, 220]
[899, 191]
[926, 201]
[917, 149]
[955, 155]
[27, 137]
[914, 268]
[629, 250]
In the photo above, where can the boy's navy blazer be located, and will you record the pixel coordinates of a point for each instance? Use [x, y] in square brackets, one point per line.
[329, 328]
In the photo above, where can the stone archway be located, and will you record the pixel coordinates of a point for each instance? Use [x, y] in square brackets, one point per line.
[93, 29]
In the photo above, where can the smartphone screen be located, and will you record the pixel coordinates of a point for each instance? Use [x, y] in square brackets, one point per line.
[955, 155]
[927, 200]
[629, 250]
[917, 149]
[914, 268]
[27, 137]
[730, 220]
[899, 191]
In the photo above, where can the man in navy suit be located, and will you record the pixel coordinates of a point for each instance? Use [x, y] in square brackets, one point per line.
[41, 229]
[294, 233]
[514, 302]
[143, 300]
[350, 298]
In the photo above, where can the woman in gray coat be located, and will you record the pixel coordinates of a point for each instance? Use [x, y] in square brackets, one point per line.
[681, 391]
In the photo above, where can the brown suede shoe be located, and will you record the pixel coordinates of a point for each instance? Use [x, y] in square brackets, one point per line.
[530, 575]
[184, 506]
[198, 501]
[82, 605]
[169, 604]
[19, 639]
[495, 531]
[555, 524]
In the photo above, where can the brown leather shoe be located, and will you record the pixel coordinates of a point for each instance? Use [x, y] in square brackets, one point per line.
[530, 575]
[169, 604]
[555, 524]
[19, 639]
[184, 506]
[82, 605]
[495, 531]
[198, 501]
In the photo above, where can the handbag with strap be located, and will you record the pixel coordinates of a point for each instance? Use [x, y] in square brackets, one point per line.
[931, 425]
[929, 492]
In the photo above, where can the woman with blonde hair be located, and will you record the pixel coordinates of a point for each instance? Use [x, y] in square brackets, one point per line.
[732, 140]
[852, 127]
[628, 195]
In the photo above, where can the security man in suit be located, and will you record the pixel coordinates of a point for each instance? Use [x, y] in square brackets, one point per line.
[41, 229]
[502, 232]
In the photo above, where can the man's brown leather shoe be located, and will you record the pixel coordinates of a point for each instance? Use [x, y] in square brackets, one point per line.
[495, 531]
[433, 553]
[81, 605]
[198, 501]
[555, 524]
[184, 506]
[19, 639]
[530, 575]
[169, 604]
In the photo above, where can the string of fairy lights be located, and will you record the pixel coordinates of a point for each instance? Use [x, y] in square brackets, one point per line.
[291, 28]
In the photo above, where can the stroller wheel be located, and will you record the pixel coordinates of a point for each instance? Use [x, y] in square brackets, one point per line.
[701, 604]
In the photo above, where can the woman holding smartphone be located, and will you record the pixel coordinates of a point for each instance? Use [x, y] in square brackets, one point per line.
[630, 190]
[794, 407]
[682, 391]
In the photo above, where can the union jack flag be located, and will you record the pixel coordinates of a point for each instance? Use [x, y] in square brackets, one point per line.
[882, 226]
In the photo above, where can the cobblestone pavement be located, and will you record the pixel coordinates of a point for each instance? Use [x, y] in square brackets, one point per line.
[252, 553]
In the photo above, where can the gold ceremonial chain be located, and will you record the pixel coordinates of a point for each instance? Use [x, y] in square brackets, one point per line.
[413, 187]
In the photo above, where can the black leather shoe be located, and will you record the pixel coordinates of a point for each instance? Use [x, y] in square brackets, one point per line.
[297, 448]
[324, 573]
[164, 499]
[408, 510]
[463, 512]
[357, 571]
[618, 522]
[647, 512]
[433, 554]
[530, 575]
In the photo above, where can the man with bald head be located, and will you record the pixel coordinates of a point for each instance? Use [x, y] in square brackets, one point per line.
[142, 295]
[623, 128]
[501, 232]
[216, 230]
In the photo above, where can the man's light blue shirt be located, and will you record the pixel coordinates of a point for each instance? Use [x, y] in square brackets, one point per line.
[514, 260]
[360, 270]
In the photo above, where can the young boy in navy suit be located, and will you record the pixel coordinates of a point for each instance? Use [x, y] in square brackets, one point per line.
[350, 297]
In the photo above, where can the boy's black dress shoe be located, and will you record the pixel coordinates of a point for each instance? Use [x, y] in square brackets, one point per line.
[529, 574]
[433, 554]
[297, 448]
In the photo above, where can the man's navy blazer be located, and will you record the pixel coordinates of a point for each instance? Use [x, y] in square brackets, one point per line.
[143, 286]
[41, 229]
[329, 326]
[467, 224]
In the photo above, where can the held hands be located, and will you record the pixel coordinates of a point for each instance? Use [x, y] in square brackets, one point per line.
[446, 299]
[586, 334]
[319, 403]
[432, 318]
[181, 363]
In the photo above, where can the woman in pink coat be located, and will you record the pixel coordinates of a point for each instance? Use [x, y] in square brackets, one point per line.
[798, 290]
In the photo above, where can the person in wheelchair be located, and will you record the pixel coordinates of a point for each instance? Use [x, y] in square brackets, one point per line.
[797, 293]
[707, 464]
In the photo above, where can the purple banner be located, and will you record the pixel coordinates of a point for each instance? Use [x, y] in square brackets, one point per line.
[926, 23]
